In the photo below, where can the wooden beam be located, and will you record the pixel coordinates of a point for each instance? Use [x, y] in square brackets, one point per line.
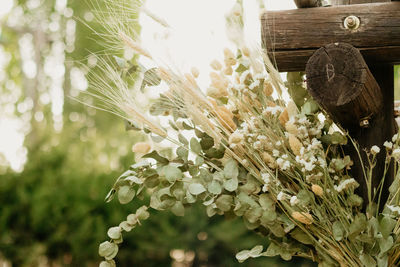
[291, 36]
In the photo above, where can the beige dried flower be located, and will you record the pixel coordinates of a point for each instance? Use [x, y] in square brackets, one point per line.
[303, 217]
[236, 138]
[291, 128]
[195, 72]
[141, 147]
[317, 190]
[268, 89]
[189, 77]
[284, 117]
[228, 70]
[246, 51]
[229, 57]
[295, 144]
[216, 65]
[292, 109]
[225, 117]
[134, 45]
[269, 160]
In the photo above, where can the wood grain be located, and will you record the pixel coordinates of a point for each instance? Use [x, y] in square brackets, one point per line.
[291, 36]
[340, 80]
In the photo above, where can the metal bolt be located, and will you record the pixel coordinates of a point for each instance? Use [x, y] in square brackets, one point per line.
[364, 123]
[352, 22]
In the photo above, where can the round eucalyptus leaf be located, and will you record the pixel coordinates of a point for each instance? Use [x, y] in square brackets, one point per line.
[231, 184]
[196, 189]
[243, 255]
[142, 213]
[178, 209]
[114, 232]
[231, 170]
[110, 263]
[256, 251]
[108, 250]
[215, 188]
[126, 226]
[125, 194]
[172, 173]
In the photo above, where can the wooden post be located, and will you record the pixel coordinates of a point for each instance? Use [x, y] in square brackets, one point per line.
[353, 82]
[339, 79]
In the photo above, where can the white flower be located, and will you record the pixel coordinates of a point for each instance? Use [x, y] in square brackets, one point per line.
[396, 153]
[394, 208]
[394, 138]
[265, 188]
[236, 138]
[346, 184]
[272, 110]
[282, 196]
[388, 145]
[375, 150]
[293, 201]
[257, 145]
[266, 178]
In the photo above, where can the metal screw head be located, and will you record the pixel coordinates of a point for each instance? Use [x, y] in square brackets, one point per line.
[352, 22]
[364, 123]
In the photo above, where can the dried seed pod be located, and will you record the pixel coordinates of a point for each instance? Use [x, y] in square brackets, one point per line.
[303, 217]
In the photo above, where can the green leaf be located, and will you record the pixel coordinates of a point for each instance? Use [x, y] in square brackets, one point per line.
[108, 250]
[310, 107]
[114, 232]
[224, 202]
[125, 194]
[190, 198]
[195, 145]
[215, 188]
[386, 226]
[256, 251]
[231, 170]
[241, 68]
[110, 195]
[182, 153]
[243, 255]
[206, 142]
[142, 213]
[172, 173]
[301, 236]
[385, 244]
[109, 263]
[266, 202]
[231, 184]
[154, 155]
[196, 189]
[183, 140]
[338, 230]
[358, 225]
[178, 209]
[334, 139]
[253, 214]
[367, 260]
[186, 126]
[199, 161]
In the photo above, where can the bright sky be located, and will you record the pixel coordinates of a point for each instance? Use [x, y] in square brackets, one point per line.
[196, 37]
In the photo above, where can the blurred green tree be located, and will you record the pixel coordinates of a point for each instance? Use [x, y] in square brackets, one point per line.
[52, 210]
